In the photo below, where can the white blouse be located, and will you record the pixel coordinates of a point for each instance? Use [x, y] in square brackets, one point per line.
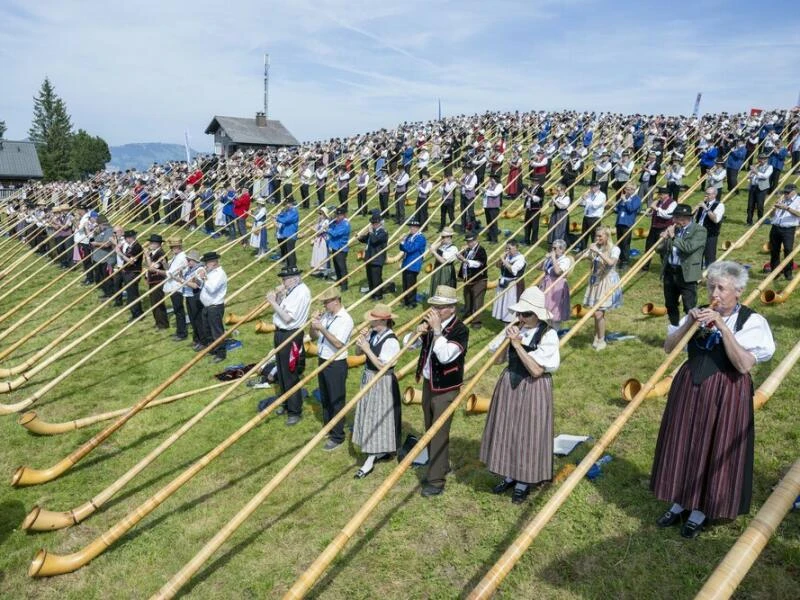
[547, 354]
[755, 336]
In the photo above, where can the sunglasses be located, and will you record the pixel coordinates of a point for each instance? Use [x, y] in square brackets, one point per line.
[525, 315]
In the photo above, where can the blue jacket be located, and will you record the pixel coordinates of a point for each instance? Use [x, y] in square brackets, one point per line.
[338, 234]
[736, 158]
[287, 221]
[414, 249]
[207, 199]
[587, 138]
[627, 210]
[638, 139]
[778, 158]
[709, 157]
[380, 164]
[408, 155]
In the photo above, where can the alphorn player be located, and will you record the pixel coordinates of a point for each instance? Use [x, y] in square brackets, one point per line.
[291, 302]
[440, 367]
[517, 441]
[212, 297]
[784, 225]
[333, 329]
[131, 254]
[156, 263]
[173, 286]
[704, 455]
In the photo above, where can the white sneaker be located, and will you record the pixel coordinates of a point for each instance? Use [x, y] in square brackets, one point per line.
[601, 344]
[262, 386]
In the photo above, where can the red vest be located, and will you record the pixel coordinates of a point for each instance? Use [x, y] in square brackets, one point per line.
[659, 222]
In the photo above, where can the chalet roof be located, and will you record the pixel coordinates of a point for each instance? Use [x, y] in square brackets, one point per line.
[245, 131]
[18, 160]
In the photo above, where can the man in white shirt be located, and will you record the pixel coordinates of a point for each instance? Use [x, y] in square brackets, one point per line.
[212, 297]
[784, 226]
[332, 330]
[594, 203]
[759, 185]
[710, 214]
[291, 302]
[173, 286]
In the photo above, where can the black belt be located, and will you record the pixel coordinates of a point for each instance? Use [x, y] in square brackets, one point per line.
[785, 226]
[673, 267]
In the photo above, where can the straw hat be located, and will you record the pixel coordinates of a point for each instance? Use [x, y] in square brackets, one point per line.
[324, 210]
[532, 300]
[379, 312]
[330, 294]
[193, 255]
[174, 241]
[444, 296]
[61, 208]
[447, 232]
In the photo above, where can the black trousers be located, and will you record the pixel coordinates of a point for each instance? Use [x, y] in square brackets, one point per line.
[399, 207]
[343, 194]
[375, 280]
[304, 197]
[340, 268]
[194, 308]
[100, 272]
[433, 405]
[287, 377]
[154, 211]
[421, 211]
[132, 292]
[208, 220]
[624, 244]
[64, 251]
[676, 288]
[288, 191]
[447, 214]
[286, 249]
[795, 158]
[467, 212]
[160, 311]
[213, 329]
[492, 214]
[361, 200]
[332, 382]
[180, 314]
[320, 195]
[588, 224]
[781, 237]
[774, 179]
[532, 226]
[733, 178]
[383, 201]
[710, 252]
[674, 190]
[410, 288]
[474, 294]
[652, 237]
[755, 203]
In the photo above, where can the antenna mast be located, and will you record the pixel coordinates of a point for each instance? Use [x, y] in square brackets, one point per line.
[266, 86]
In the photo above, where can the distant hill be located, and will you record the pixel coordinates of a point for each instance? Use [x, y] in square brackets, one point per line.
[142, 156]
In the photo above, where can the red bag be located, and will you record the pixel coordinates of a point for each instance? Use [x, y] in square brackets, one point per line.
[294, 355]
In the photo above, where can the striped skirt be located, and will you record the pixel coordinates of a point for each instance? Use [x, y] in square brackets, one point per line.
[518, 438]
[376, 428]
[704, 453]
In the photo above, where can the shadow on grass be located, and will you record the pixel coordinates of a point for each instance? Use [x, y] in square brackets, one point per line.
[11, 514]
[140, 440]
[226, 558]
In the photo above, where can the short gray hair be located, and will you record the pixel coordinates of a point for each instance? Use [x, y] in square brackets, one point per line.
[561, 244]
[728, 269]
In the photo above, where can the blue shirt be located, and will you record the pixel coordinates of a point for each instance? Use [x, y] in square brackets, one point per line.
[736, 158]
[207, 199]
[778, 158]
[338, 235]
[379, 164]
[408, 155]
[287, 221]
[627, 210]
[413, 245]
[709, 157]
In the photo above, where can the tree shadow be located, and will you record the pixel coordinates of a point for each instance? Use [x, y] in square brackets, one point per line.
[11, 514]
[229, 555]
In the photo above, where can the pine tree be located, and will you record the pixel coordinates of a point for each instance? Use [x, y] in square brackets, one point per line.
[2, 129]
[51, 131]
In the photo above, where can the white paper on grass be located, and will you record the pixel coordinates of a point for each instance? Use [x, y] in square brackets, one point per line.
[564, 444]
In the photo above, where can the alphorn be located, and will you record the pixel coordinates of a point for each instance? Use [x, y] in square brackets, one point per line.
[774, 379]
[773, 297]
[723, 582]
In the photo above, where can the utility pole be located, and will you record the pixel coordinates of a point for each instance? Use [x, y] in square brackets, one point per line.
[266, 86]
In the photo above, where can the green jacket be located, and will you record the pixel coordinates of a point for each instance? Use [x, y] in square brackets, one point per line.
[690, 251]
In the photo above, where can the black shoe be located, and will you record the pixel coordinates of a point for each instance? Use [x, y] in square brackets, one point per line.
[503, 486]
[281, 410]
[217, 359]
[178, 338]
[429, 490]
[198, 347]
[519, 496]
[292, 420]
[691, 530]
[669, 518]
[749, 222]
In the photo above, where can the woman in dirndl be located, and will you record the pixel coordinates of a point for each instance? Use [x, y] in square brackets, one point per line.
[512, 269]
[554, 284]
[559, 219]
[517, 442]
[704, 455]
[444, 254]
[258, 231]
[319, 248]
[514, 179]
[376, 429]
[603, 277]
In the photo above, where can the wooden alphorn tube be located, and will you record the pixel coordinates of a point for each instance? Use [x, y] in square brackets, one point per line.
[773, 297]
[774, 379]
[477, 405]
[412, 396]
[653, 310]
[737, 562]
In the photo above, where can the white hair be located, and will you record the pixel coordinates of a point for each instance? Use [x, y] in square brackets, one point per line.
[560, 244]
[728, 269]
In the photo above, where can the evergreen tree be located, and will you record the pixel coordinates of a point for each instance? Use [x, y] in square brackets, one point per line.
[2, 129]
[51, 131]
[89, 154]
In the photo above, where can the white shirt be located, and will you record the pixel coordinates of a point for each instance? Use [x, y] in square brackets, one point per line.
[390, 348]
[593, 204]
[546, 354]
[81, 235]
[667, 212]
[340, 326]
[517, 264]
[783, 218]
[296, 303]
[755, 336]
[215, 287]
[561, 202]
[719, 212]
[445, 351]
[674, 176]
[448, 253]
[176, 266]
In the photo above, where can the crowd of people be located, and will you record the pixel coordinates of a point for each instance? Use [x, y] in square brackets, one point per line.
[460, 162]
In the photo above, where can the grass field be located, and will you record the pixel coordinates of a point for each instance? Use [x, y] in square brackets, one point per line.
[603, 543]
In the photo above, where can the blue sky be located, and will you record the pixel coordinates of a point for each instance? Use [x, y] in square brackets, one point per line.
[145, 71]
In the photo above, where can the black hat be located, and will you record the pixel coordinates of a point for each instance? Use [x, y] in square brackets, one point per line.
[763, 155]
[208, 256]
[129, 233]
[154, 237]
[375, 217]
[662, 189]
[289, 272]
[341, 210]
[423, 173]
[470, 235]
[789, 187]
[682, 210]
[414, 222]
